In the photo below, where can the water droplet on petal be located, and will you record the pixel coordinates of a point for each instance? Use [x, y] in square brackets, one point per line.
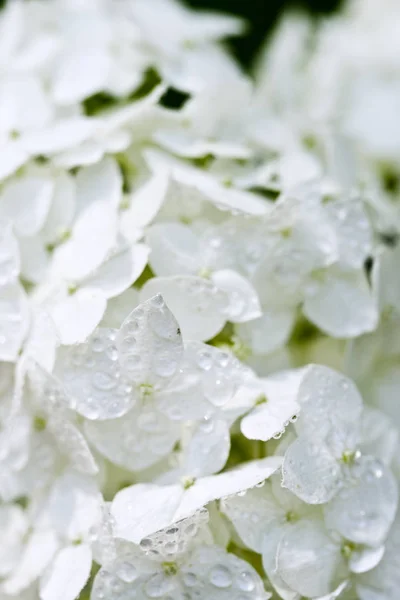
[132, 327]
[245, 581]
[104, 381]
[220, 577]
[204, 360]
[157, 301]
[97, 344]
[127, 572]
[112, 353]
[206, 425]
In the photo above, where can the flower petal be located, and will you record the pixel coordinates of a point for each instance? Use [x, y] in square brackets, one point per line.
[26, 202]
[38, 552]
[74, 505]
[144, 205]
[268, 332]
[253, 515]
[279, 405]
[208, 449]
[92, 377]
[342, 306]
[329, 402]
[231, 482]
[150, 344]
[68, 574]
[175, 250]
[143, 509]
[135, 441]
[119, 272]
[364, 510]
[213, 573]
[76, 316]
[310, 471]
[200, 308]
[93, 237]
[308, 561]
[244, 304]
[14, 320]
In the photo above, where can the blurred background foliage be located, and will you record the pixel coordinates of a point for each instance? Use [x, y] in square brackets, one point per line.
[261, 16]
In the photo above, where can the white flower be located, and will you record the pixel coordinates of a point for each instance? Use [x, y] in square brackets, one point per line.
[323, 465]
[276, 405]
[59, 549]
[204, 451]
[142, 509]
[261, 517]
[384, 579]
[14, 307]
[261, 217]
[177, 561]
[81, 273]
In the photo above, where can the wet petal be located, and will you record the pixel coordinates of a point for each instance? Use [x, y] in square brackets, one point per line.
[308, 561]
[342, 306]
[92, 377]
[243, 301]
[150, 344]
[253, 515]
[199, 306]
[364, 509]
[213, 573]
[310, 471]
[67, 575]
[135, 441]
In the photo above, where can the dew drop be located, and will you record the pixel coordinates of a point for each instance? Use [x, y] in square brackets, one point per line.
[191, 529]
[157, 301]
[127, 572]
[204, 360]
[245, 581]
[132, 327]
[220, 577]
[129, 343]
[206, 425]
[223, 360]
[112, 353]
[374, 471]
[97, 344]
[104, 381]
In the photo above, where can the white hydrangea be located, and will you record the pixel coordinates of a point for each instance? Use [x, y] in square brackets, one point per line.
[199, 305]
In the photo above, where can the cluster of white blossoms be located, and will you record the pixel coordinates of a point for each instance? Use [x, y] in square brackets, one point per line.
[199, 305]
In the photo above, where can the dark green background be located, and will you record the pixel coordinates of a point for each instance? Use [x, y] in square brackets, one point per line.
[261, 15]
